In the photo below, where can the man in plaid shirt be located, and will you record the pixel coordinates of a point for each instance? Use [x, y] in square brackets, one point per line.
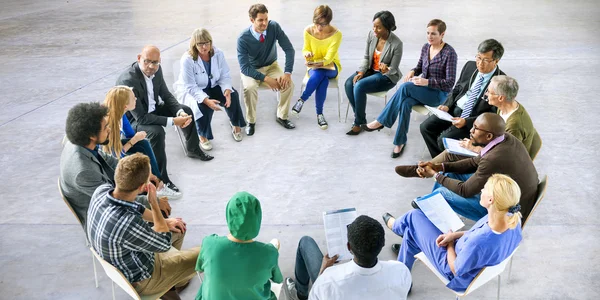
[119, 232]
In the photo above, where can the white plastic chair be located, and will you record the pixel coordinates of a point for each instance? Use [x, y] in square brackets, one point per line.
[333, 84]
[87, 243]
[117, 277]
[382, 94]
[486, 274]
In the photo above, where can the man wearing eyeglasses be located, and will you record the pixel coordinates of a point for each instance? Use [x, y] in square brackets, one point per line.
[467, 99]
[157, 109]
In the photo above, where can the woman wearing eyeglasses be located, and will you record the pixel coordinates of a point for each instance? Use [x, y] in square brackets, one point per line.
[204, 84]
[459, 256]
[321, 44]
[428, 83]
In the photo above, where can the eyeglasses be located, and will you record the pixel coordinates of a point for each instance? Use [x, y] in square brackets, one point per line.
[477, 128]
[202, 44]
[321, 24]
[483, 60]
[155, 63]
[487, 94]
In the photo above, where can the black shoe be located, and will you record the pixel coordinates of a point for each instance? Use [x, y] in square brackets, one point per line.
[386, 217]
[355, 130]
[396, 248]
[414, 205]
[200, 155]
[172, 186]
[367, 129]
[285, 123]
[322, 122]
[250, 128]
[396, 155]
[297, 107]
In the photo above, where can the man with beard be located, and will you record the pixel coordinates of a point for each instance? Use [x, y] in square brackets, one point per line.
[83, 167]
[460, 181]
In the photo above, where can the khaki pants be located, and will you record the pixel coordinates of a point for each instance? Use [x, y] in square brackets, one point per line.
[251, 85]
[446, 156]
[172, 268]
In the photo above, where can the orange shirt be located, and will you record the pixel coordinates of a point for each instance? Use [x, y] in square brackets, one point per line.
[376, 57]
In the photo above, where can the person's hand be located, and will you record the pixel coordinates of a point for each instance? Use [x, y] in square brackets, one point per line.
[357, 78]
[176, 225]
[383, 68]
[157, 183]
[467, 144]
[308, 55]
[272, 83]
[151, 194]
[420, 81]
[328, 262]
[428, 169]
[284, 81]
[443, 108]
[444, 239]
[408, 76]
[140, 135]
[227, 95]
[212, 104]
[182, 121]
[459, 122]
[163, 205]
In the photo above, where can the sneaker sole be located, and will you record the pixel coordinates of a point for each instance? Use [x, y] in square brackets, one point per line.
[324, 126]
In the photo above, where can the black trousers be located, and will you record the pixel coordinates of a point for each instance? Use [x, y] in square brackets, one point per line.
[434, 129]
[156, 136]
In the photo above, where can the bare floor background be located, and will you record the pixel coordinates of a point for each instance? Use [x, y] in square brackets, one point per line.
[58, 53]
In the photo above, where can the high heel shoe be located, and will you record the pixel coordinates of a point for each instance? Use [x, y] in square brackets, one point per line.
[367, 129]
[396, 155]
[386, 218]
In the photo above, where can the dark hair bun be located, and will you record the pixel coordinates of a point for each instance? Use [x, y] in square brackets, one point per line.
[393, 28]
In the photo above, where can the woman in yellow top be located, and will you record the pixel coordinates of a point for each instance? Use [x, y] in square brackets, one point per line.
[321, 44]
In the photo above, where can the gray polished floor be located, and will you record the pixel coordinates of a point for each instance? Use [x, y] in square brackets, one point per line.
[58, 53]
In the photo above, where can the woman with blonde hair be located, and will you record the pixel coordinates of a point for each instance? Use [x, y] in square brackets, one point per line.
[204, 84]
[459, 256]
[119, 100]
[321, 44]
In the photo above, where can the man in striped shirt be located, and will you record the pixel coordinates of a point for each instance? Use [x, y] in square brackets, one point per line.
[119, 232]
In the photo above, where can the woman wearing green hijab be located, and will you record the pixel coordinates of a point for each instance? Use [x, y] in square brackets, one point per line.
[235, 266]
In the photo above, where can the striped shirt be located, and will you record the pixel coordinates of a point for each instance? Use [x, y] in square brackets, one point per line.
[120, 236]
[441, 70]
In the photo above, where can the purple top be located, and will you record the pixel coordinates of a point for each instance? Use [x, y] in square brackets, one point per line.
[441, 71]
[491, 145]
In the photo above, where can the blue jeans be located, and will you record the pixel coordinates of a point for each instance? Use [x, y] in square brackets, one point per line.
[308, 264]
[467, 207]
[144, 147]
[318, 80]
[401, 103]
[234, 112]
[357, 93]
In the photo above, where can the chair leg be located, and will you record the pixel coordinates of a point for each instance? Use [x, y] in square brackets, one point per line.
[509, 268]
[339, 105]
[113, 289]
[347, 109]
[95, 273]
[181, 139]
[499, 278]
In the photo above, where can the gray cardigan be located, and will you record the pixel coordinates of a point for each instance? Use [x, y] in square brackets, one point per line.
[391, 55]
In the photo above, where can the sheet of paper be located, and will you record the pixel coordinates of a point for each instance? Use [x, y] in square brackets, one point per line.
[440, 113]
[336, 231]
[439, 212]
[454, 147]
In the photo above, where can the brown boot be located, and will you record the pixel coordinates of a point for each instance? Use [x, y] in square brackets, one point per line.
[407, 171]
[171, 295]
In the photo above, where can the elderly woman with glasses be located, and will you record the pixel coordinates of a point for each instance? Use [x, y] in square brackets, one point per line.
[321, 44]
[204, 84]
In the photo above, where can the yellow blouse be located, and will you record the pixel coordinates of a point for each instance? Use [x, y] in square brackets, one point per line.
[325, 49]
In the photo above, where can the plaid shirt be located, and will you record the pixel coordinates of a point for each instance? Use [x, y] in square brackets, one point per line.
[120, 236]
[441, 71]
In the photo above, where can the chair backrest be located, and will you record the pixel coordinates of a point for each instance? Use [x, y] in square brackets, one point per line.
[541, 192]
[67, 202]
[176, 69]
[116, 276]
[488, 273]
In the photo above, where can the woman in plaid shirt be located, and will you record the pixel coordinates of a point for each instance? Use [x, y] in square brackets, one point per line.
[428, 83]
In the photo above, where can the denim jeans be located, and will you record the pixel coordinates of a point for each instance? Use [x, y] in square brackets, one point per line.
[318, 80]
[234, 112]
[401, 103]
[144, 147]
[357, 93]
[467, 207]
[308, 264]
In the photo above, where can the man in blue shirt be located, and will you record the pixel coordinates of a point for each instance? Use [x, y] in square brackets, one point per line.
[257, 56]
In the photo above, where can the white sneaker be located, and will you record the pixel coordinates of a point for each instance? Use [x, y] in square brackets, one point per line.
[206, 146]
[169, 193]
[237, 136]
[275, 243]
[289, 287]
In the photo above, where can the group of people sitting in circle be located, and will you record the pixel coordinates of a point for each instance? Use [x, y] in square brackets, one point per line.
[117, 183]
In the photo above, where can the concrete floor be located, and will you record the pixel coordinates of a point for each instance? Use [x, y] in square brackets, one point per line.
[58, 53]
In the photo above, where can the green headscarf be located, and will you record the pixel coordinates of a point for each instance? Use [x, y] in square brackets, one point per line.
[244, 216]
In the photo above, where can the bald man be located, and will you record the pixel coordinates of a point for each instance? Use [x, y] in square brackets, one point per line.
[157, 109]
[460, 179]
